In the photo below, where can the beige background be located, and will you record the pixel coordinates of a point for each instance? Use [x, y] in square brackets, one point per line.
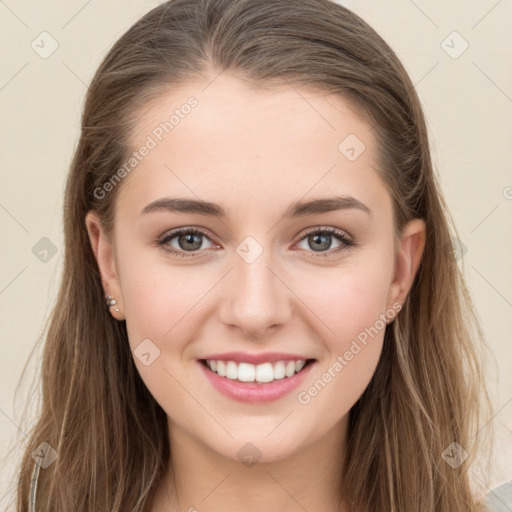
[467, 98]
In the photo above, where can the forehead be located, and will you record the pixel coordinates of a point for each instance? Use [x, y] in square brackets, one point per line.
[252, 147]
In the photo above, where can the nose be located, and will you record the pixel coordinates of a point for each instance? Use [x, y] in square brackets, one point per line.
[257, 299]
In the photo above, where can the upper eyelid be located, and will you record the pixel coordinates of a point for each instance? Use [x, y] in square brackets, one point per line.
[171, 233]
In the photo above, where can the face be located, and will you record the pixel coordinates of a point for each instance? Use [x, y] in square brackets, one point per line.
[266, 278]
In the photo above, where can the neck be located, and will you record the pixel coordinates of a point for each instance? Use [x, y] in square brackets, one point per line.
[202, 480]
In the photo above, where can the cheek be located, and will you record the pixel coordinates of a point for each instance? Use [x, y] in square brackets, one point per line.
[348, 299]
[161, 303]
[353, 343]
[350, 308]
[159, 298]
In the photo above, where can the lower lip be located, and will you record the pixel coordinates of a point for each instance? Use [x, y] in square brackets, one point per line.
[252, 392]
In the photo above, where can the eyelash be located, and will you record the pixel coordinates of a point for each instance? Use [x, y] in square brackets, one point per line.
[166, 237]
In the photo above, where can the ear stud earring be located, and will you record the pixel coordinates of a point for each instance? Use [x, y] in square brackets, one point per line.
[110, 301]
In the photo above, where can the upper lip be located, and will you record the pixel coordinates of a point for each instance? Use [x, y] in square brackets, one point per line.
[245, 357]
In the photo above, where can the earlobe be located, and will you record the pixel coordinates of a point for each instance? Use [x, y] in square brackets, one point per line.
[412, 245]
[105, 258]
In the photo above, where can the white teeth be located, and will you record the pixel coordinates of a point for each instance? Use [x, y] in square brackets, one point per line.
[231, 370]
[264, 372]
[246, 372]
[221, 368]
[290, 368]
[279, 370]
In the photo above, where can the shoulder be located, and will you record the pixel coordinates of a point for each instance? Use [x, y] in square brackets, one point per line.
[499, 499]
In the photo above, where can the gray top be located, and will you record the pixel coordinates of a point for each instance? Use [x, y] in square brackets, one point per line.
[499, 499]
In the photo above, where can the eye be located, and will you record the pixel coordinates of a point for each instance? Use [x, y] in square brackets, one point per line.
[321, 238]
[189, 240]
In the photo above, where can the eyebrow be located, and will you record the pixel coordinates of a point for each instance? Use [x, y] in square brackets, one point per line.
[296, 209]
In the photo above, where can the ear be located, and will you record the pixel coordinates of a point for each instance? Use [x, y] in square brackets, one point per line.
[407, 261]
[103, 250]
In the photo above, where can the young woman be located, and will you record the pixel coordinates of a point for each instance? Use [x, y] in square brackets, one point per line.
[261, 308]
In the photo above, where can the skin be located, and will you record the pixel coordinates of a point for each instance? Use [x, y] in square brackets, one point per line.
[254, 153]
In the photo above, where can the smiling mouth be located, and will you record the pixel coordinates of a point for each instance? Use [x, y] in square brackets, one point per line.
[265, 373]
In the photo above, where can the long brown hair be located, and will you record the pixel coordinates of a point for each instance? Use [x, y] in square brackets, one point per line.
[428, 391]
